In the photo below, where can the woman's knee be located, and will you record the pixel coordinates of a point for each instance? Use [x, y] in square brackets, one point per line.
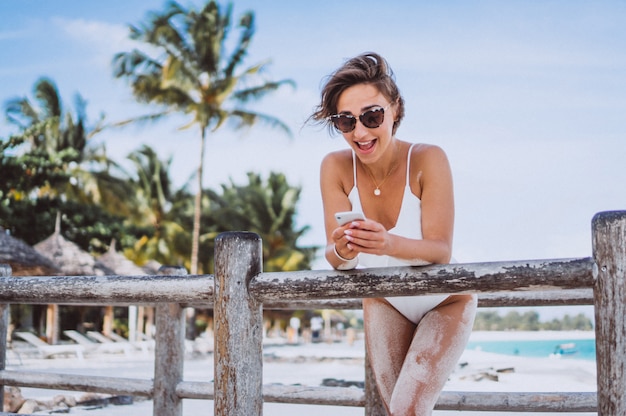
[461, 306]
[464, 301]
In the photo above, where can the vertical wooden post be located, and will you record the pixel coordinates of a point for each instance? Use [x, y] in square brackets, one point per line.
[5, 271]
[107, 324]
[238, 326]
[609, 252]
[52, 324]
[373, 403]
[169, 353]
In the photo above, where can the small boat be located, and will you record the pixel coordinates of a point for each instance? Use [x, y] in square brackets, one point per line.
[564, 349]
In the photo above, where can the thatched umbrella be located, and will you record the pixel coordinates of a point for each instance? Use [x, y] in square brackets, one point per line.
[118, 263]
[23, 259]
[151, 267]
[72, 261]
[121, 265]
[69, 257]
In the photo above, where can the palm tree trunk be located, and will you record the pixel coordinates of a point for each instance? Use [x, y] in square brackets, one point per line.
[195, 239]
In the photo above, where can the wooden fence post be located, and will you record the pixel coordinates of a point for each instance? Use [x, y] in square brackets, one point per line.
[238, 326]
[5, 271]
[169, 353]
[609, 252]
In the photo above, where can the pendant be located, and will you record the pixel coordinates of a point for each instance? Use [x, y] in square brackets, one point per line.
[377, 192]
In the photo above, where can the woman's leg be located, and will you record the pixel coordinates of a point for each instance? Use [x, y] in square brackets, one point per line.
[388, 335]
[436, 347]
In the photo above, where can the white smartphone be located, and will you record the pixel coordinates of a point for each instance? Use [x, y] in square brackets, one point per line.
[348, 216]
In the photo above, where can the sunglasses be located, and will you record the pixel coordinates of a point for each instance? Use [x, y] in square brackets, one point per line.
[371, 119]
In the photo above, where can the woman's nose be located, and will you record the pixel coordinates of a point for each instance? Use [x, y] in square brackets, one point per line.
[359, 130]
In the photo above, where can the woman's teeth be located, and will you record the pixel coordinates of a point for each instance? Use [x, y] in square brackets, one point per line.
[365, 145]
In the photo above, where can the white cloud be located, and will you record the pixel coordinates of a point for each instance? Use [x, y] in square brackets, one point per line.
[102, 39]
[13, 34]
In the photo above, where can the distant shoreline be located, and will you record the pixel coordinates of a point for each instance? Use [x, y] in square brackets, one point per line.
[530, 335]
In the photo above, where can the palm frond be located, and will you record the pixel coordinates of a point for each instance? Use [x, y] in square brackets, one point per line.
[48, 96]
[241, 119]
[259, 91]
[247, 24]
[20, 112]
[134, 63]
[208, 29]
[141, 119]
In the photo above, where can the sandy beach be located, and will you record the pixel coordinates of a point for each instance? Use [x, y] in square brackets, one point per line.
[309, 364]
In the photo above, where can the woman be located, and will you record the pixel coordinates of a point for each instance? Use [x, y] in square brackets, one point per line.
[405, 192]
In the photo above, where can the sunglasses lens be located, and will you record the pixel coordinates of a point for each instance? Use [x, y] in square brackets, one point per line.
[344, 123]
[373, 118]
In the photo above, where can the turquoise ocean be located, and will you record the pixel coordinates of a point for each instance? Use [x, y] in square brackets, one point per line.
[579, 349]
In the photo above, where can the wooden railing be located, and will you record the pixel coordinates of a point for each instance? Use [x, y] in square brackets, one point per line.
[239, 291]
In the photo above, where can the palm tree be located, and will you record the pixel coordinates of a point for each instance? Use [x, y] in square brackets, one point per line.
[46, 127]
[267, 208]
[62, 138]
[56, 168]
[193, 73]
[151, 201]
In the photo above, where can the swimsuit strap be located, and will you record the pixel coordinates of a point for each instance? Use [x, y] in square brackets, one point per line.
[408, 164]
[354, 168]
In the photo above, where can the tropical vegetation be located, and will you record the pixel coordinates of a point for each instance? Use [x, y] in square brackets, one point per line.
[51, 166]
[267, 208]
[187, 68]
[152, 220]
[52, 163]
[490, 320]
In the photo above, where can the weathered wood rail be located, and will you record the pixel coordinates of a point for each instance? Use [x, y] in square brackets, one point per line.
[240, 290]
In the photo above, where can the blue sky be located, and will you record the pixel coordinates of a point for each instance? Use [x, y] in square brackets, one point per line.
[527, 98]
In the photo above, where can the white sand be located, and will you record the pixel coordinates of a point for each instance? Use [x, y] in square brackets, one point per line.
[299, 364]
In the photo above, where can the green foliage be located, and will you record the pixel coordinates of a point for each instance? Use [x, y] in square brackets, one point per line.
[89, 226]
[528, 321]
[193, 71]
[50, 165]
[156, 220]
[188, 69]
[31, 173]
[150, 205]
[267, 208]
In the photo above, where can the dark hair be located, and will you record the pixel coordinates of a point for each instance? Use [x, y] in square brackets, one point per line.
[368, 68]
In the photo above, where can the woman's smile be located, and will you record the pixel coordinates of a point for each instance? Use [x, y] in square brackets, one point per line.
[366, 146]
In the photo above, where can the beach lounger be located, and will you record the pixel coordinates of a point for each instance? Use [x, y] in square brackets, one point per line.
[91, 346]
[48, 350]
[100, 337]
[144, 346]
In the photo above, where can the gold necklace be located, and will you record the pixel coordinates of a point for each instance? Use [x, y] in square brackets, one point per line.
[377, 191]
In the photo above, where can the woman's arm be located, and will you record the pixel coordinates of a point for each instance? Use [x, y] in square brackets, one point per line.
[335, 183]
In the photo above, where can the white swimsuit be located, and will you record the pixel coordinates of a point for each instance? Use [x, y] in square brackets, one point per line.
[409, 224]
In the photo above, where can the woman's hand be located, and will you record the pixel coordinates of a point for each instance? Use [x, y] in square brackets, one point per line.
[342, 242]
[365, 236]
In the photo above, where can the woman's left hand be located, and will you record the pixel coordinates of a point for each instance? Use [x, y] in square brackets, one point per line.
[368, 237]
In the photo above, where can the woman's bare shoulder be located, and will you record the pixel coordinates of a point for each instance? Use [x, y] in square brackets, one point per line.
[425, 149]
[337, 160]
[424, 153]
[336, 171]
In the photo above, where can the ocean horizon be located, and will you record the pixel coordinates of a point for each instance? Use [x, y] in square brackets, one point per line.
[565, 348]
